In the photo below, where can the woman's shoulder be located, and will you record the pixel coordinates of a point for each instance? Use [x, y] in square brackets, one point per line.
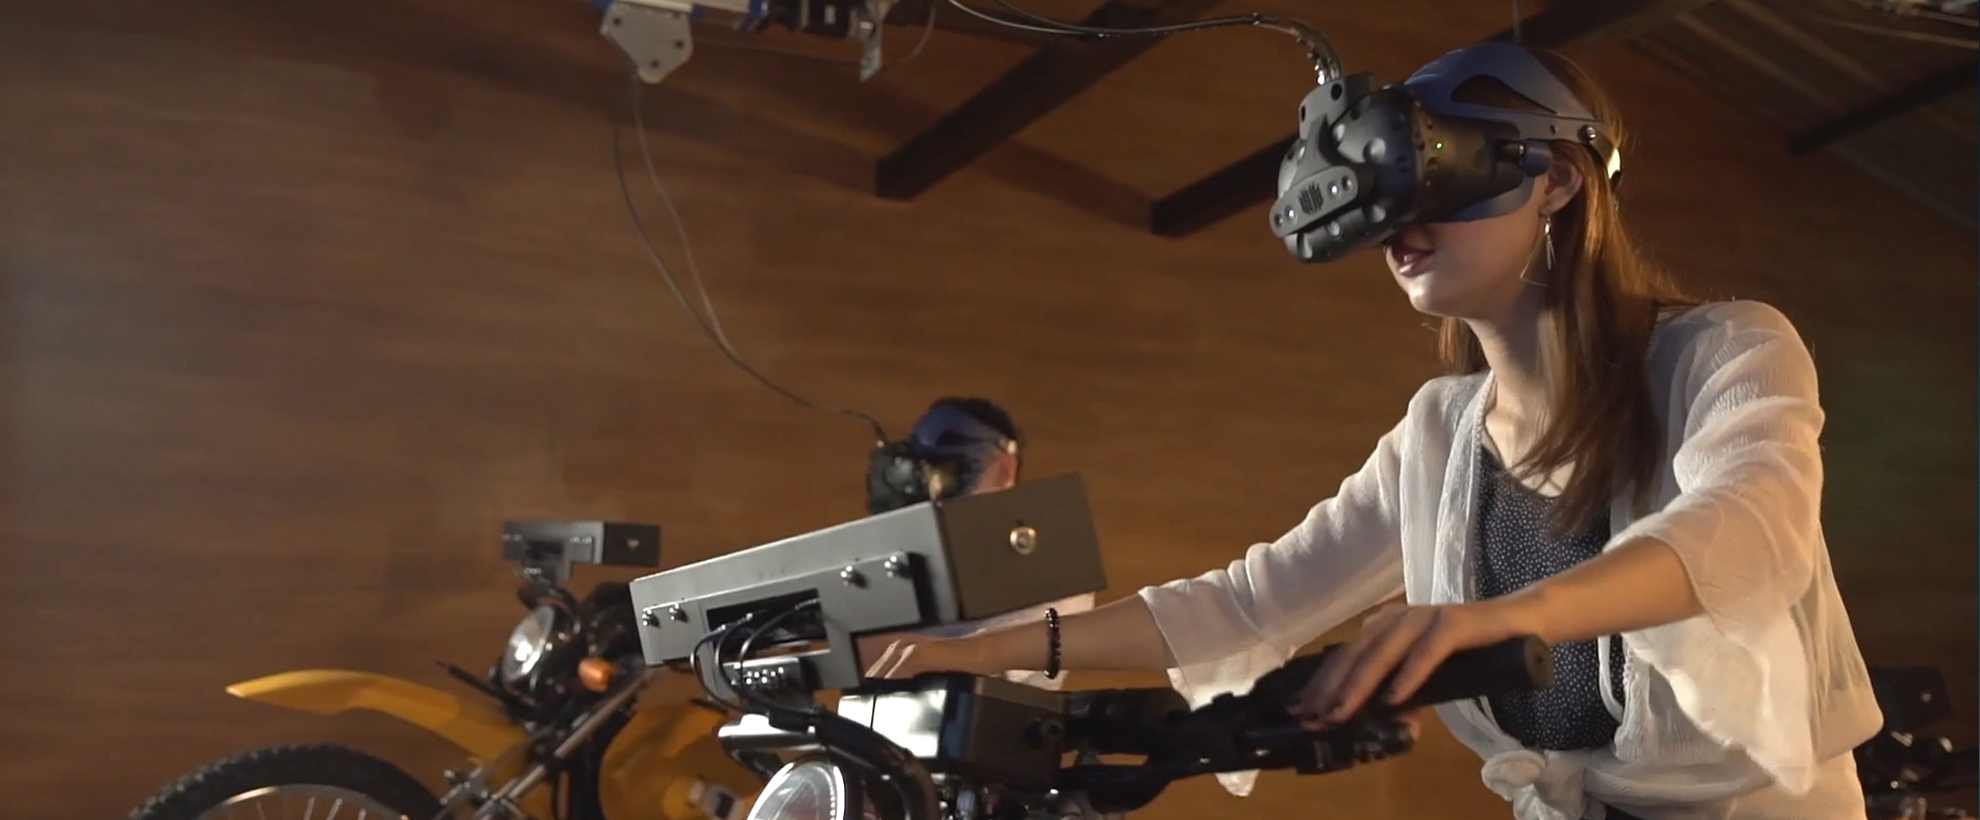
[1693, 344]
[1723, 319]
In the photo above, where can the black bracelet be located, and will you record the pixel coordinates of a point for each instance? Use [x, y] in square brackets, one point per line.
[1052, 643]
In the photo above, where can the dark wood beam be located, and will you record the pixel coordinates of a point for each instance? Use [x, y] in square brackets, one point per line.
[1579, 25]
[1903, 101]
[912, 15]
[1209, 200]
[1251, 182]
[1055, 73]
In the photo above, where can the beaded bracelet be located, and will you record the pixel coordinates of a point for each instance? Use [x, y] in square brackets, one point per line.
[1052, 645]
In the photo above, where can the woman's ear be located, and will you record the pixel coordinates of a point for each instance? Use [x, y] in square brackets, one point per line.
[1563, 182]
[999, 473]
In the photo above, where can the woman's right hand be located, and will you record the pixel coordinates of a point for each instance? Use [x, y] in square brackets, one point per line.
[906, 655]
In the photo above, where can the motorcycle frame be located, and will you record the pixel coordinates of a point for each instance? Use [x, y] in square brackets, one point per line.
[655, 766]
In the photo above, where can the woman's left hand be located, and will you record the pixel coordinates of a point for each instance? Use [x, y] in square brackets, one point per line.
[1409, 641]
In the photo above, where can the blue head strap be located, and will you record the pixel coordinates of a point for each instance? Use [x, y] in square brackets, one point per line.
[1519, 70]
[948, 430]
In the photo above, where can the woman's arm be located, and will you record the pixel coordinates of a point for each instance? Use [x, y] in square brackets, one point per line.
[1738, 542]
[1221, 629]
[1120, 636]
[1746, 523]
[1226, 627]
[1634, 585]
[1067, 608]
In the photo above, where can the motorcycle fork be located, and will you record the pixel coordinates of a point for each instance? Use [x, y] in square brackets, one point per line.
[501, 804]
[472, 785]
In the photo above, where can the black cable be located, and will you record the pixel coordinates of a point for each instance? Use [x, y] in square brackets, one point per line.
[1252, 19]
[1326, 59]
[748, 646]
[708, 324]
[723, 636]
[927, 31]
[1325, 52]
[991, 18]
[827, 725]
[720, 637]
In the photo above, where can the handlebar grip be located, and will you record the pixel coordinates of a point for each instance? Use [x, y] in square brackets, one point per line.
[1122, 721]
[1513, 665]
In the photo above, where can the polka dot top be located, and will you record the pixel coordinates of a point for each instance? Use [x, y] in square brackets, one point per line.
[1515, 549]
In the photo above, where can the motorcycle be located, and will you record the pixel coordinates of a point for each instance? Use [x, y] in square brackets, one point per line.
[947, 746]
[562, 739]
[1901, 768]
[960, 747]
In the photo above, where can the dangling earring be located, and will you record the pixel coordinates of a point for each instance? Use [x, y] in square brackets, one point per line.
[1546, 240]
[1547, 232]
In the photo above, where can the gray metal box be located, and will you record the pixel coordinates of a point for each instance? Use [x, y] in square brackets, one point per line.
[929, 564]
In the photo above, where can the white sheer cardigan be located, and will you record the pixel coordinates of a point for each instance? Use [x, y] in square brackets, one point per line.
[1748, 711]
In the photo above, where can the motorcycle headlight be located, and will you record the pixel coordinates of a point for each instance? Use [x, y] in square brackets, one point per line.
[528, 643]
[810, 788]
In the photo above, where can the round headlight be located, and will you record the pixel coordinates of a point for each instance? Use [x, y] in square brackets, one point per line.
[810, 788]
[528, 643]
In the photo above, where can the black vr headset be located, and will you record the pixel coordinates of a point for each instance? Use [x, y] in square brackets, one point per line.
[1368, 161]
[943, 457]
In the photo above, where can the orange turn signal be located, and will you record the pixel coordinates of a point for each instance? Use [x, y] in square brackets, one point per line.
[596, 673]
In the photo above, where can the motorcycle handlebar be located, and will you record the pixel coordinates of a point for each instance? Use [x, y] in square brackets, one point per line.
[1256, 731]
[1230, 733]
[1511, 665]
[1145, 721]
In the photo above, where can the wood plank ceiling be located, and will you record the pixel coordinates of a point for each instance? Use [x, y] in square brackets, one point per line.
[1891, 92]
[1888, 85]
[1166, 135]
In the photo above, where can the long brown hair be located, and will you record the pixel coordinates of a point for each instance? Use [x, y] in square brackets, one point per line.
[1604, 300]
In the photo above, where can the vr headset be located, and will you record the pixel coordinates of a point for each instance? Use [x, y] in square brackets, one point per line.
[943, 457]
[1368, 161]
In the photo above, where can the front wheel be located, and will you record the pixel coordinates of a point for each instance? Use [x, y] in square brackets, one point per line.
[303, 782]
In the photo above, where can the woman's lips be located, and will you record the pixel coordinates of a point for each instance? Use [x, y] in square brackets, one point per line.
[1409, 261]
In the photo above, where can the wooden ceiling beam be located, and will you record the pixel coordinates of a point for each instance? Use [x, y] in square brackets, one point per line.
[1054, 74]
[1924, 92]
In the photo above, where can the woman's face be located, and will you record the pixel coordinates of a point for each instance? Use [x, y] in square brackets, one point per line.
[1478, 269]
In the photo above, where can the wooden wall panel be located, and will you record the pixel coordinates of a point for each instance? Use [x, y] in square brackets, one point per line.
[287, 335]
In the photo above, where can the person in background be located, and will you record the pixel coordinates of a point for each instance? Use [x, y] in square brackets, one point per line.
[983, 450]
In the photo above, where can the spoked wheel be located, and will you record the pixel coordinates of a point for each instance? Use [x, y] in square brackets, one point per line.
[295, 783]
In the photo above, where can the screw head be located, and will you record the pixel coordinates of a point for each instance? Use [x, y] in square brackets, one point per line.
[1024, 540]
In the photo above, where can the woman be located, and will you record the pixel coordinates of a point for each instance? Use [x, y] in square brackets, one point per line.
[1628, 475]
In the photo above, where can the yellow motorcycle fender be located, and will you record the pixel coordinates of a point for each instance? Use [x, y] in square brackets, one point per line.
[667, 764]
[482, 731]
